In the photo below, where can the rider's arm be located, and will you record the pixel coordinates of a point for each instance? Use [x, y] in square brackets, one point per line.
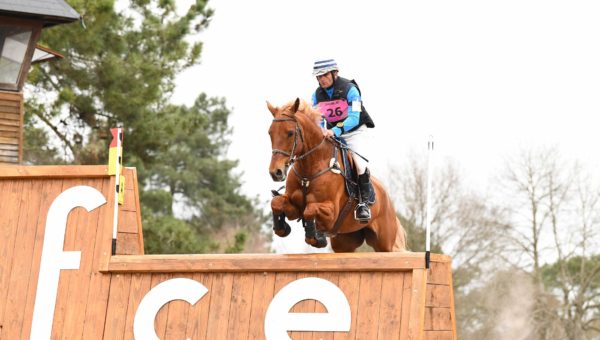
[353, 116]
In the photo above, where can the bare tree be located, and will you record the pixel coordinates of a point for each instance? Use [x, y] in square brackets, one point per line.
[553, 218]
[463, 223]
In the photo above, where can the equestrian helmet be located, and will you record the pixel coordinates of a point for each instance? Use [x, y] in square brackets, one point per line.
[324, 66]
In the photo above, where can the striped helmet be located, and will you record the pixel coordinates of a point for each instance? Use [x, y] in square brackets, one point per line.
[323, 66]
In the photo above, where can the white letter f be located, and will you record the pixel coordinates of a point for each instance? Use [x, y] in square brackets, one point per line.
[54, 258]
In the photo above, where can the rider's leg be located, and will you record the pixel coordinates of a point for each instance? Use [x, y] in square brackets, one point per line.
[357, 140]
[363, 212]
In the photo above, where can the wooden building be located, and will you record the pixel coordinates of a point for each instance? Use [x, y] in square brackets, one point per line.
[21, 23]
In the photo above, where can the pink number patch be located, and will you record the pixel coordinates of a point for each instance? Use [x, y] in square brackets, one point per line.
[334, 110]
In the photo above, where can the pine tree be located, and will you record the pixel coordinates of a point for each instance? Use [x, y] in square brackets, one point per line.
[120, 69]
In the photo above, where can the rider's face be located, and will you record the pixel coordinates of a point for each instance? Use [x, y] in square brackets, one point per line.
[325, 80]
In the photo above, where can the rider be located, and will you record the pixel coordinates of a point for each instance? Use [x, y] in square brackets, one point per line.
[338, 99]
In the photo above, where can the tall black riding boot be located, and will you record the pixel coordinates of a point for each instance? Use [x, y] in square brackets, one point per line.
[363, 213]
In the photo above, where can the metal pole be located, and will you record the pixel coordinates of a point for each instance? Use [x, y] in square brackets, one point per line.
[428, 217]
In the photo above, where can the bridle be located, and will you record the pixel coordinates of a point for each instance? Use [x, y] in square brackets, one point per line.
[297, 132]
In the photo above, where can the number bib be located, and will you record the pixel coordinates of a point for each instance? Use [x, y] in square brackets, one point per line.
[334, 110]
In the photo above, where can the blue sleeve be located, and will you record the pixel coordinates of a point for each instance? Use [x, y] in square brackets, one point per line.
[353, 116]
[314, 99]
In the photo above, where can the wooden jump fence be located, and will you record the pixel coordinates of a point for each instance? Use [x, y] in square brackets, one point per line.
[100, 296]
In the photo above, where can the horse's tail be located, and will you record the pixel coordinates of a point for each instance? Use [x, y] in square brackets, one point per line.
[400, 242]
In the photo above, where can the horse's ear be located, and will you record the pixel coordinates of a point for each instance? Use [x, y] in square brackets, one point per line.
[272, 108]
[296, 105]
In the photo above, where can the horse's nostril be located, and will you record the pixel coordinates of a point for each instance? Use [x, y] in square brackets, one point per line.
[279, 173]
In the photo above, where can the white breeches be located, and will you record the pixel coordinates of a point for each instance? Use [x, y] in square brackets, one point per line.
[357, 141]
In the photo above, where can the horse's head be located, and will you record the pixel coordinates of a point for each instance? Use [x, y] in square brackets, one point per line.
[287, 137]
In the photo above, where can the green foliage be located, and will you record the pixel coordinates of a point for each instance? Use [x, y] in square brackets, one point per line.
[120, 70]
[169, 235]
[576, 269]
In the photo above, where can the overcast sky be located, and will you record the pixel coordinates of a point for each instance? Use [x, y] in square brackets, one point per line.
[483, 77]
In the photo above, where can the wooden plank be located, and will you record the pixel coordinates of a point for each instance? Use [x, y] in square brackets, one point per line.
[349, 283]
[262, 294]
[438, 319]
[131, 177]
[108, 218]
[118, 301]
[281, 280]
[241, 302]
[6, 159]
[127, 222]
[10, 205]
[53, 171]
[319, 308]
[5, 153]
[391, 306]
[49, 192]
[160, 323]
[11, 103]
[306, 306]
[406, 306]
[9, 122]
[439, 335]
[198, 314]
[97, 300]
[10, 112]
[140, 286]
[219, 306]
[368, 305]
[8, 146]
[11, 96]
[21, 264]
[128, 244]
[10, 134]
[75, 218]
[438, 273]
[364, 262]
[417, 308]
[129, 199]
[452, 306]
[438, 296]
[85, 234]
[177, 319]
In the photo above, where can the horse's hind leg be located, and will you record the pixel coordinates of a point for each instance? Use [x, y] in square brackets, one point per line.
[313, 236]
[386, 240]
[317, 214]
[347, 243]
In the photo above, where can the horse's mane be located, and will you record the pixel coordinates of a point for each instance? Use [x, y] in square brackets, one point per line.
[304, 109]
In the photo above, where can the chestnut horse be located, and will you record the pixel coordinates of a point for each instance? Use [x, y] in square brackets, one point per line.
[315, 189]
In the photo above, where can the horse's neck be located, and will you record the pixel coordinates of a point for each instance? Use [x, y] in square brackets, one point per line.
[313, 138]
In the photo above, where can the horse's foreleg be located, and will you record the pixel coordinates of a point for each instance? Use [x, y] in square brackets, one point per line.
[317, 215]
[282, 208]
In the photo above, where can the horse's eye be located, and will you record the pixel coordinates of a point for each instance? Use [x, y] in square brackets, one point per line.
[290, 134]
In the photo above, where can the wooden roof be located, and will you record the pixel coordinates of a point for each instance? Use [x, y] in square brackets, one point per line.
[51, 12]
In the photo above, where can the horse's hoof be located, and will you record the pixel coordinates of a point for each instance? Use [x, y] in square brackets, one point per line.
[280, 227]
[321, 243]
[283, 231]
[317, 243]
